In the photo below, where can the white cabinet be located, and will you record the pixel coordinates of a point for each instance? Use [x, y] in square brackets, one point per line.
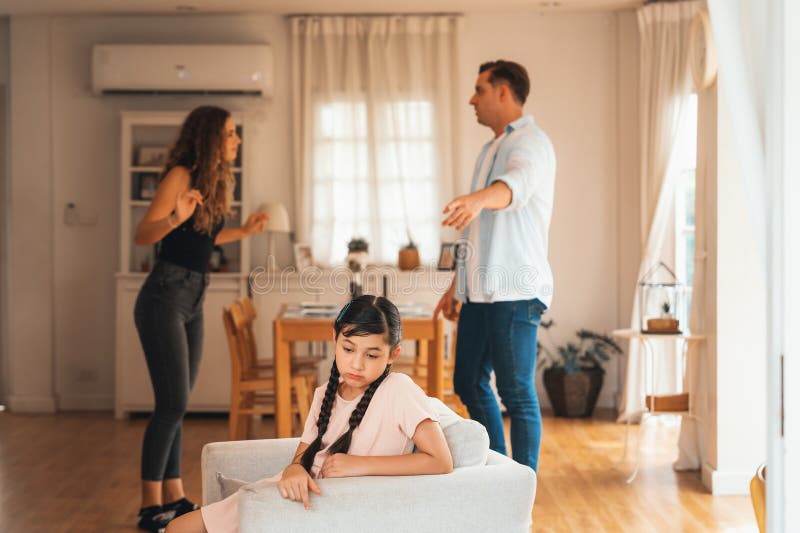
[144, 136]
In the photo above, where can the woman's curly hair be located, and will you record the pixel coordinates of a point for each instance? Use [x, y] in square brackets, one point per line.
[201, 149]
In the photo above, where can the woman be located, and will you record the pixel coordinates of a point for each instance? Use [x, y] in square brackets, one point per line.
[186, 219]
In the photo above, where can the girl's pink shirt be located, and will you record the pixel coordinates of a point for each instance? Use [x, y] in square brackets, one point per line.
[388, 426]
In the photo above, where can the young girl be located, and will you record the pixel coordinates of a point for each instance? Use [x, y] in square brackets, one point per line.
[186, 218]
[364, 422]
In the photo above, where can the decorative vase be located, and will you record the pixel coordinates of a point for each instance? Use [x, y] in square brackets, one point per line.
[408, 258]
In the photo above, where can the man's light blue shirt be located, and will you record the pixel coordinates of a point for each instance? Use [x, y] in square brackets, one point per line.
[511, 242]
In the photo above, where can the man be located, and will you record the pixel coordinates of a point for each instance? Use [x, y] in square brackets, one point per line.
[503, 278]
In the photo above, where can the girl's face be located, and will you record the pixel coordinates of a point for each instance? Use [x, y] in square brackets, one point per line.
[362, 360]
[230, 140]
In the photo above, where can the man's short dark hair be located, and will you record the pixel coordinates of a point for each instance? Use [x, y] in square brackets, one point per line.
[511, 73]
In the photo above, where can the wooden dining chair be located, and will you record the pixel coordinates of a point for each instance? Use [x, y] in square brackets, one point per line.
[758, 495]
[252, 388]
[299, 364]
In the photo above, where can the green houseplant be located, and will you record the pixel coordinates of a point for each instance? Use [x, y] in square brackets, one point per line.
[357, 254]
[573, 373]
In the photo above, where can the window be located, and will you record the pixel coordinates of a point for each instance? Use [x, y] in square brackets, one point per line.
[684, 164]
[375, 174]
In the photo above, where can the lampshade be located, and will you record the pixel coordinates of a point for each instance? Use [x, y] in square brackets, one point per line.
[278, 217]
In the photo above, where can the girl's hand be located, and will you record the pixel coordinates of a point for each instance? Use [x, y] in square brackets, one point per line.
[186, 203]
[341, 465]
[255, 223]
[294, 485]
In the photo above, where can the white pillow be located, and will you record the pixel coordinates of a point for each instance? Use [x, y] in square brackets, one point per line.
[228, 486]
[467, 439]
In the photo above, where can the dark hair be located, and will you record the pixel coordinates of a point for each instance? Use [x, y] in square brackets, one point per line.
[362, 316]
[200, 148]
[509, 72]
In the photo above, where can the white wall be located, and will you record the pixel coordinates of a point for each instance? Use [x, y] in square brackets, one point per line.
[3, 195]
[736, 426]
[30, 220]
[629, 244]
[66, 149]
[791, 221]
[579, 66]
[84, 170]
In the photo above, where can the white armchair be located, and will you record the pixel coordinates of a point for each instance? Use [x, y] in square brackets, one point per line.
[486, 492]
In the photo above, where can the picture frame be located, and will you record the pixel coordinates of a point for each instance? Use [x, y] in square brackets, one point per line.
[151, 156]
[303, 256]
[148, 183]
[447, 256]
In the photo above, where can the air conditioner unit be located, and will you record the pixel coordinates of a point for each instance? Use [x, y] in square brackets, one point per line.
[233, 69]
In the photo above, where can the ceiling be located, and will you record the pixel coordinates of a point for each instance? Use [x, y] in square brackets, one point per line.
[142, 7]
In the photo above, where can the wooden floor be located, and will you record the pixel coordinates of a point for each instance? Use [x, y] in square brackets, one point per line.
[80, 472]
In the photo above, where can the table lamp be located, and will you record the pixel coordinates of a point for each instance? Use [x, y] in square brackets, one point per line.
[278, 222]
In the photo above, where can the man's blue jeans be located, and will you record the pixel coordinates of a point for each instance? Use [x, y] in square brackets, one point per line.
[501, 336]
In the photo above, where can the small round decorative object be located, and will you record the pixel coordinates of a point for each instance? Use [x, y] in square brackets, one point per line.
[702, 54]
[408, 258]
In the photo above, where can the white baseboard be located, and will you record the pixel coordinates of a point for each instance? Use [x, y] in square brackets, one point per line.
[31, 404]
[726, 483]
[86, 402]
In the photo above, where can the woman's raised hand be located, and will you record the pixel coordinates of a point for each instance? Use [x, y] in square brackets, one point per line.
[186, 203]
[256, 223]
[295, 483]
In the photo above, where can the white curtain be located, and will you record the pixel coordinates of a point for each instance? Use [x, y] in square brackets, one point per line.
[375, 119]
[692, 439]
[664, 84]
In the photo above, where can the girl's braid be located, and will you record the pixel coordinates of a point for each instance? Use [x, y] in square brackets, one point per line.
[307, 459]
[342, 445]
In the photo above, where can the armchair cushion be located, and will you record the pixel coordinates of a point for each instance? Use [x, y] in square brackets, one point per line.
[467, 439]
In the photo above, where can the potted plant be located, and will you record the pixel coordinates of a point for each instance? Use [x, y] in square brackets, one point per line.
[573, 378]
[357, 254]
[666, 323]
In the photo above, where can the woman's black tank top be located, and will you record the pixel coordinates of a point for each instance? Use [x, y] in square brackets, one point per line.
[187, 247]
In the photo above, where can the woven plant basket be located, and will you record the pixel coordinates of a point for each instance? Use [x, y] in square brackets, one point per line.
[573, 395]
